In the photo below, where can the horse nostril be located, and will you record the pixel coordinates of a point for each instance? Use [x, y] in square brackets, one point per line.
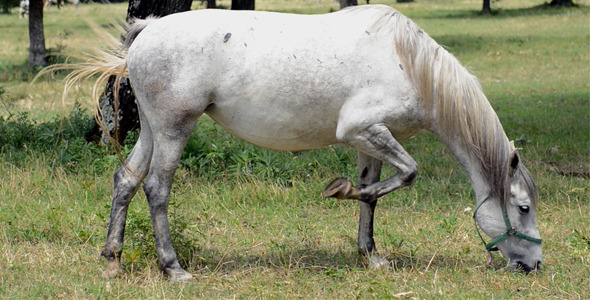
[526, 268]
[538, 266]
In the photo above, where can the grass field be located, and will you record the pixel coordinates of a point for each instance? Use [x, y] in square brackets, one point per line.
[251, 223]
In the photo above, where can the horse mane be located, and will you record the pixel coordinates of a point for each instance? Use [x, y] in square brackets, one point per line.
[461, 111]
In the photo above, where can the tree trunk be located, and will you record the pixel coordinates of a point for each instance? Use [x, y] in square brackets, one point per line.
[36, 35]
[126, 111]
[486, 7]
[127, 115]
[563, 3]
[242, 4]
[347, 3]
[143, 8]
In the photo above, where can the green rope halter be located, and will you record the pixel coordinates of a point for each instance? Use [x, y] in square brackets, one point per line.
[510, 230]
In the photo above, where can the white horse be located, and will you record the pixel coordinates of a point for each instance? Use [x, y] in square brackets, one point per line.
[50, 3]
[367, 77]
[23, 9]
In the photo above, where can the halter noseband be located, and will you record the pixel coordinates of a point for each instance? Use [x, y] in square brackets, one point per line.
[510, 230]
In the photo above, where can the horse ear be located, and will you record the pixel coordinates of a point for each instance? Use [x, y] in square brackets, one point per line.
[512, 145]
[513, 160]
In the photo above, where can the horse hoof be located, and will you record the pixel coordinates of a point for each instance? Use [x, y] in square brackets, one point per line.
[112, 270]
[341, 188]
[377, 262]
[178, 275]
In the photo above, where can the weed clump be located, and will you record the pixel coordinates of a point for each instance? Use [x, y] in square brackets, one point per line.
[61, 141]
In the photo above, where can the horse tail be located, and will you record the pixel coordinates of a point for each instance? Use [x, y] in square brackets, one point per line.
[109, 61]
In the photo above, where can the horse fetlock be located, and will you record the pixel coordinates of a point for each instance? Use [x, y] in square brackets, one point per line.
[368, 197]
[112, 250]
[342, 188]
[366, 245]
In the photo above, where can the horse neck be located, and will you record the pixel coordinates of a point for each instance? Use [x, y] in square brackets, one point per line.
[466, 122]
[480, 183]
[484, 157]
[460, 115]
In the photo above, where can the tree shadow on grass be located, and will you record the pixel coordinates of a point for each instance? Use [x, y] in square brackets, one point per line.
[22, 71]
[459, 44]
[542, 9]
[306, 258]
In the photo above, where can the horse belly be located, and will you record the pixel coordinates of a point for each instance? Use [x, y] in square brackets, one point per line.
[279, 127]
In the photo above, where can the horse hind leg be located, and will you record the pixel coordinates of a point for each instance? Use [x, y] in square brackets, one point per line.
[169, 141]
[126, 180]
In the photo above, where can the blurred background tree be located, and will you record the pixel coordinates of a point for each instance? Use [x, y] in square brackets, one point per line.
[36, 34]
[7, 5]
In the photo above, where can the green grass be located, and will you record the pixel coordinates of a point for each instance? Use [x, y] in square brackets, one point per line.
[251, 223]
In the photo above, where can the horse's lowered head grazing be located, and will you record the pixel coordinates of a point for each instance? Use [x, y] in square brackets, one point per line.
[509, 219]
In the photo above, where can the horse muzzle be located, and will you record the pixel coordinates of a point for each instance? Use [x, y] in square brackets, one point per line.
[524, 267]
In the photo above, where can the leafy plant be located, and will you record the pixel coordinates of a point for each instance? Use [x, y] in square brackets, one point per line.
[580, 242]
[62, 140]
[449, 224]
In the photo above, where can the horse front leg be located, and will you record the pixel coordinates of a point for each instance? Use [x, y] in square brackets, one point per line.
[369, 170]
[375, 143]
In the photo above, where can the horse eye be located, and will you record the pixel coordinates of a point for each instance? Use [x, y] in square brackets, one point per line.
[524, 209]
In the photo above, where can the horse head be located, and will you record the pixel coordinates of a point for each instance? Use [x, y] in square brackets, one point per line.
[512, 223]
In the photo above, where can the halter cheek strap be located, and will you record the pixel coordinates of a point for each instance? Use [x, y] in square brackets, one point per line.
[510, 231]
